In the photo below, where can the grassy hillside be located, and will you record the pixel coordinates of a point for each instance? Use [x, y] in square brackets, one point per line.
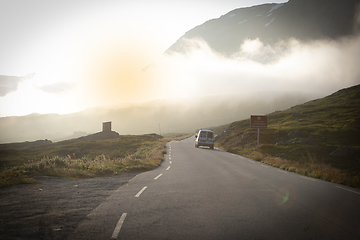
[320, 138]
[78, 158]
[14, 155]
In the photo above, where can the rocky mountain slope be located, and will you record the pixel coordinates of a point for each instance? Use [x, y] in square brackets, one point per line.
[304, 20]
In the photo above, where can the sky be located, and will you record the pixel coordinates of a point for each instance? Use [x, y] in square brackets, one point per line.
[66, 56]
[51, 49]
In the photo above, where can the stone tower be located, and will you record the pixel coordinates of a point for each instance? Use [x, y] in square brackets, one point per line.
[106, 126]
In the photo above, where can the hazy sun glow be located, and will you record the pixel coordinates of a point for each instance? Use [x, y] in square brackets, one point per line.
[103, 55]
[101, 65]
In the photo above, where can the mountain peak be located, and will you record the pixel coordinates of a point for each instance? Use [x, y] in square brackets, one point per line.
[304, 20]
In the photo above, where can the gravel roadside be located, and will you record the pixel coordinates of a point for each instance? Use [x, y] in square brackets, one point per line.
[53, 208]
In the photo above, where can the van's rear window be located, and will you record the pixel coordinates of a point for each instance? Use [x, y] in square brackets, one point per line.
[203, 134]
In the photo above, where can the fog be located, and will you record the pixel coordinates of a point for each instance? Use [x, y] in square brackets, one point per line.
[201, 88]
[317, 67]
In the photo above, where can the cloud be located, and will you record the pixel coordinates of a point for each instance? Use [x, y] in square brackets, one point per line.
[319, 67]
[10, 84]
[56, 88]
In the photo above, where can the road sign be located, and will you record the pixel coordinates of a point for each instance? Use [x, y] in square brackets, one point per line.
[258, 121]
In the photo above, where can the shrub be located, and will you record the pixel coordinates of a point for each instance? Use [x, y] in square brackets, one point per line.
[292, 169]
[59, 162]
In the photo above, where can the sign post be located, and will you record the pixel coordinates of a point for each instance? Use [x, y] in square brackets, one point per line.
[258, 121]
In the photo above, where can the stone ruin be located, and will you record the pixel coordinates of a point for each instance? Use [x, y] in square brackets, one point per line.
[106, 127]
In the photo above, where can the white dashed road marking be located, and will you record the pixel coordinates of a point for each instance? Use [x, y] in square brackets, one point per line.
[158, 176]
[141, 191]
[118, 226]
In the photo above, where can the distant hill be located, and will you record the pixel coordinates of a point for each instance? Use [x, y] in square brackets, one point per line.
[304, 20]
[42, 144]
[167, 116]
[35, 144]
[326, 130]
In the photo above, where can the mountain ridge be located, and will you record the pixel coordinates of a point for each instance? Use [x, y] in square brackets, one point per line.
[304, 20]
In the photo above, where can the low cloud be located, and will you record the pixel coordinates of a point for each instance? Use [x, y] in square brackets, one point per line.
[317, 67]
[10, 84]
[57, 88]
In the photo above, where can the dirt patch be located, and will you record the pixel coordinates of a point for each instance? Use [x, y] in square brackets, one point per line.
[53, 208]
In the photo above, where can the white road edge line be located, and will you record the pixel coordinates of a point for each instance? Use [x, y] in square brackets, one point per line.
[308, 178]
[283, 171]
[348, 190]
[168, 168]
[264, 166]
[118, 226]
[170, 162]
[141, 191]
[158, 176]
[252, 161]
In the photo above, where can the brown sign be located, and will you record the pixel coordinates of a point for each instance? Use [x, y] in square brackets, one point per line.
[258, 121]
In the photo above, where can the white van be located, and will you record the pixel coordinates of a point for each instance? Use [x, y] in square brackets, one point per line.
[204, 138]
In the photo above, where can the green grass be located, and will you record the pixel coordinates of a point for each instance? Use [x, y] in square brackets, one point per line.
[82, 159]
[329, 123]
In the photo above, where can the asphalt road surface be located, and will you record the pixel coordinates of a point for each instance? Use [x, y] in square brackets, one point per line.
[198, 193]
[53, 208]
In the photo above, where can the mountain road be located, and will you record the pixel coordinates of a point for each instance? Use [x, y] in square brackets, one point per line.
[199, 193]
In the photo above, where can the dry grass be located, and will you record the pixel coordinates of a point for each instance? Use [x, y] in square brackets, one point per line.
[327, 123]
[309, 166]
[144, 159]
